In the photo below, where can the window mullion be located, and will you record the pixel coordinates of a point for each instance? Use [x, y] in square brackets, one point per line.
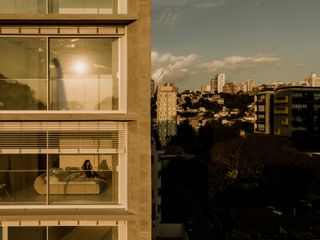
[48, 74]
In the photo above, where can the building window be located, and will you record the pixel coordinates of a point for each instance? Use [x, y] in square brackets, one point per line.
[54, 73]
[297, 94]
[62, 6]
[63, 230]
[50, 166]
[316, 95]
[299, 106]
[260, 127]
[261, 108]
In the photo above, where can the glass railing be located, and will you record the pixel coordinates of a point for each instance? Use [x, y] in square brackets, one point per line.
[66, 187]
[79, 187]
[62, 232]
[17, 187]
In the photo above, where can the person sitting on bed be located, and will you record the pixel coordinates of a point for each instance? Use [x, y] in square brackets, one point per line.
[87, 168]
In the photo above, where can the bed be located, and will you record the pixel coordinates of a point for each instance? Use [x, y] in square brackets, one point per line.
[68, 181]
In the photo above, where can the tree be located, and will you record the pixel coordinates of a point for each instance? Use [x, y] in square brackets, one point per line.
[258, 163]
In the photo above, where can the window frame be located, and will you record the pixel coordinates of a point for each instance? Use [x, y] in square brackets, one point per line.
[121, 75]
[121, 7]
[122, 225]
[121, 168]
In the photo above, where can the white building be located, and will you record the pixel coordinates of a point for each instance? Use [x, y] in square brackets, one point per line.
[221, 80]
[313, 80]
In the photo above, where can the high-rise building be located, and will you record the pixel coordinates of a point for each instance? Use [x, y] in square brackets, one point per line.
[213, 85]
[250, 85]
[166, 112]
[75, 119]
[313, 80]
[218, 82]
[221, 79]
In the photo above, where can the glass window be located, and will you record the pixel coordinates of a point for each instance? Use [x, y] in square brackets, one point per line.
[23, 80]
[82, 6]
[18, 174]
[26, 233]
[59, 6]
[83, 233]
[69, 179]
[81, 74]
[22, 6]
[62, 232]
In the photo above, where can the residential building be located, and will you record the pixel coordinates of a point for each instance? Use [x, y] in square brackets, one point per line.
[264, 112]
[205, 88]
[166, 112]
[288, 112]
[250, 85]
[313, 80]
[73, 89]
[297, 111]
[228, 88]
[221, 79]
[213, 85]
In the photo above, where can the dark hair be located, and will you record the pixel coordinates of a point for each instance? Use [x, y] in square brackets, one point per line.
[84, 165]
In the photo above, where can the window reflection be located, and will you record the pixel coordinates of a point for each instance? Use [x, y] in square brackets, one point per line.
[59, 6]
[22, 6]
[83, 74]
[82, 6]
[23, 74]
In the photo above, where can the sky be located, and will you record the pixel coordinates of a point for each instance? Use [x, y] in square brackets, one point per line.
[264, 40]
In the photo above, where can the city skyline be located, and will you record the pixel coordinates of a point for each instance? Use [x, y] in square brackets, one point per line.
[264, 40]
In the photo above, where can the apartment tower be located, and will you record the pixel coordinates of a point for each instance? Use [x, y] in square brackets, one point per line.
[221, 80]
[75, 119]
[166, 112]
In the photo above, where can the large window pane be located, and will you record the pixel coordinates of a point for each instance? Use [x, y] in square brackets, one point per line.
[83, 233]
[27, 233]
[18, 176]
[83, 74]
[23, 84]
[22, 6]
[83, 6]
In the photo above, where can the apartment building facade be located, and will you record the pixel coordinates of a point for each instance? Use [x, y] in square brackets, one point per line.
[288, 112]
[264, 112]
[75, 86]
[166, 112]
[297, 111]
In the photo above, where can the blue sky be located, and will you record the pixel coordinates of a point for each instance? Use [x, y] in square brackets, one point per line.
[264, 40]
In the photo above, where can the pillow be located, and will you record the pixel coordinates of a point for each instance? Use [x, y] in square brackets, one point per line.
[52, 179]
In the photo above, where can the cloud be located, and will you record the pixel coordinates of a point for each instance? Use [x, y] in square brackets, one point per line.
[167, 68]
[235, 63]
[170, 11]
